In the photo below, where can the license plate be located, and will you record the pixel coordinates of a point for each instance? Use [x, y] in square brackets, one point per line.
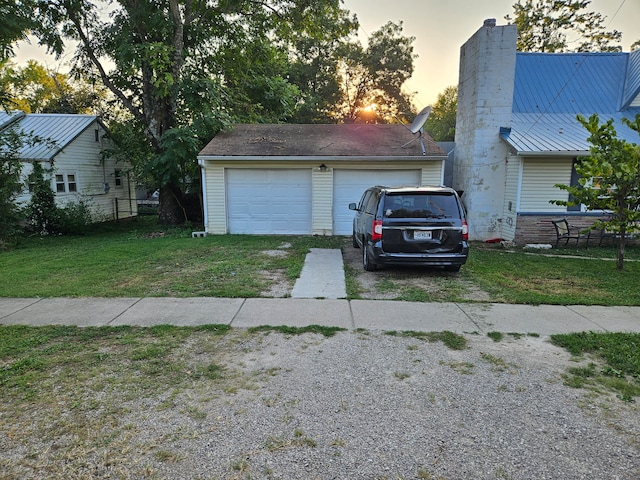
[422, 235]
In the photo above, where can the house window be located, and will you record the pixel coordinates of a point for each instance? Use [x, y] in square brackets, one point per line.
[118, 178]
[66, 183]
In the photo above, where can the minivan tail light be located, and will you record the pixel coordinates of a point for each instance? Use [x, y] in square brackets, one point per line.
[465, 230]
[376, 231]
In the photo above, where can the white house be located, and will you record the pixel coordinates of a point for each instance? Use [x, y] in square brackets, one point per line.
[300, 179]
[516, 130]
[73, 145]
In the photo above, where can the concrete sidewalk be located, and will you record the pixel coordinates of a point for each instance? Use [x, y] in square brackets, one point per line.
[318, 298]
[300, 312]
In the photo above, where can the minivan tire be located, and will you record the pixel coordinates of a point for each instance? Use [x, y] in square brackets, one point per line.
[367, 264]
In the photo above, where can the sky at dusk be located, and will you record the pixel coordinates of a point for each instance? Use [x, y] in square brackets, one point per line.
[440, 27]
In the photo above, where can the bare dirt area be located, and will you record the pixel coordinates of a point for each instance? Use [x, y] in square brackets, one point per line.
[411, 283]
[390, 283]
[357, 405]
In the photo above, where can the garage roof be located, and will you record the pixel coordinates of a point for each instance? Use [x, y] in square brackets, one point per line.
[307, 140]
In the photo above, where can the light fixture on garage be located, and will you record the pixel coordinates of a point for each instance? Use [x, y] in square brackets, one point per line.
[323, 167]
[417, 127]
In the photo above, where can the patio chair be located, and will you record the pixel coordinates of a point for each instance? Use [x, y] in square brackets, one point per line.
[565, 231]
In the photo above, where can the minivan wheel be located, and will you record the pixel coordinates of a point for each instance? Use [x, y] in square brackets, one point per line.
[354, 241]
[368, 265]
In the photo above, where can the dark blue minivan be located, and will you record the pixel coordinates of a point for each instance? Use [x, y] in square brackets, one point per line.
[411, 226]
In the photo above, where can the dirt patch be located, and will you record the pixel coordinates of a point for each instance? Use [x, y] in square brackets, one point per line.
[411, 283]
[279, 285]
[390, 283]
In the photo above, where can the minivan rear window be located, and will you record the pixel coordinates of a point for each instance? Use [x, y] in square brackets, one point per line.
[421, 205]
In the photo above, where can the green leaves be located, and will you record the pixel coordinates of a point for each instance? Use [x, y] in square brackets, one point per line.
[548, 25]
[610, 178]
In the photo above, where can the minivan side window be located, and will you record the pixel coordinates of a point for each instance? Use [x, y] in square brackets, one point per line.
[363, 201]
[371, 204]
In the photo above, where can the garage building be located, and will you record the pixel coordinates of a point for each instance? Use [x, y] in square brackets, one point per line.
[300, 179]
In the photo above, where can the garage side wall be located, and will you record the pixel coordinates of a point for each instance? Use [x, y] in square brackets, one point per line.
[433, 174]
[216, 208]
[322, 201]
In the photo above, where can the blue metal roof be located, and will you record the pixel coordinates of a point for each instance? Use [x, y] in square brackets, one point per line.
[7, 118]
[58, 130]
[551, 89]
[569, 82]
[632, 83]
[557, 133]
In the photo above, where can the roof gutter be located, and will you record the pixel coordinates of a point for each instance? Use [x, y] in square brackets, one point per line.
[555, 153]
[319, 158]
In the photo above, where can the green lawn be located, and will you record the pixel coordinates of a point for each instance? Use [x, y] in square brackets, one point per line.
[141, 259]
[585, 277]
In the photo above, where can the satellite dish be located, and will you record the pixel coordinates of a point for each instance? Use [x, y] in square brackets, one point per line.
[416, 127]
[418, 122]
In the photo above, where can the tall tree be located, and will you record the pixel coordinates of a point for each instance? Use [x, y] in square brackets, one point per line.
[35, 89]
[183, 69]
[16, 19]
[314, 69]
[562, 26]
[373, 77]
[10, 185]
[441, 124]
[609, 180]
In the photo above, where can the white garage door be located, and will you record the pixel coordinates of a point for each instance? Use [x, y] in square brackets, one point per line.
[348, 186]
[269, 201]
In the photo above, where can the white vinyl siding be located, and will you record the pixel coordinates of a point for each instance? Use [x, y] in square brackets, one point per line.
[80, 165]
[538, 179]
[322, 201]
[511, 198]
[433, 174]
[216, 221]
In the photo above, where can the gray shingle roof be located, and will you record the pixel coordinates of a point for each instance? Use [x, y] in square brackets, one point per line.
[287, 140]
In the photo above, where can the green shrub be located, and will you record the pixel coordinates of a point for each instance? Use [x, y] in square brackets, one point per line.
[74, 217]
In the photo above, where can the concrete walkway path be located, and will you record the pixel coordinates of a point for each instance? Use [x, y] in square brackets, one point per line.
[322, 275]
[300, 312]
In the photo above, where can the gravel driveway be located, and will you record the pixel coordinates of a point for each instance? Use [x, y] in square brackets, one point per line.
[358, 405]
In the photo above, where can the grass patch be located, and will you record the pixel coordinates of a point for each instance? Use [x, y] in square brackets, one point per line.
[515, 276]
[66, 391]
[617, 353]
[160, 261]
[495, 336]
[452, 340]
[299, 439]
[498, 364]
[153, 261]
[319, 329]
[464, 368]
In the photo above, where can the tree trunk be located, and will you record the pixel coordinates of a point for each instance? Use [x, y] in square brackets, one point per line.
[170, 208]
